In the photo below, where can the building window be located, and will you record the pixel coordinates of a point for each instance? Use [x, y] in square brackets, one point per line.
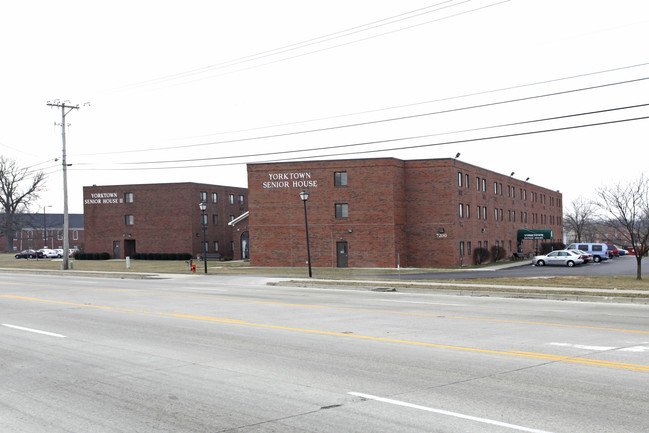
[59, 235]
[461, 208]
[461, 248]
[215, 197]
[500, 189]
[459, 179]
[496, 214]
[501, 214]
[484, 213]
[203, 196]
[514, 216]
[496, 188]
[484, 185]
[468, 248]
[216, 246]
[468, 212]
[128, 197]
[241, 198]
[206, 245]
[204, 219]
[524, 194]
[478, 212]
[342, 210]
[215, 219]
[466, 181]
[75, 235]
[340, 178]
[231, 198]
[129, 220]
[231, 217]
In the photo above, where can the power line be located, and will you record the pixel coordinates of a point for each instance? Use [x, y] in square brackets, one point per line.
[542, 131]
[347, 43]
[373, 122]
[413, 104]
[608, 110]
[297, 45]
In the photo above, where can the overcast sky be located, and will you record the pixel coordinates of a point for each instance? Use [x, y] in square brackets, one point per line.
[183, 91]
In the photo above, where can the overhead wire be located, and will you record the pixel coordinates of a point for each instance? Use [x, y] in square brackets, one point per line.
[345, 44]
[421, 145]
[608, 110]
[297, 45]
[413, 104]
[373, 122]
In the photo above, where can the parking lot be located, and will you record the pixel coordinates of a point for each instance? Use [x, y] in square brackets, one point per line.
[618, 266]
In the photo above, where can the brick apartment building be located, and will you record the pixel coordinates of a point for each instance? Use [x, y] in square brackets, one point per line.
[388, 212]
[161, 218]
[41, 230]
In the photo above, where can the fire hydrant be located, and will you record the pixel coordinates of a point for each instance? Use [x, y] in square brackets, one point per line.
[193, 267]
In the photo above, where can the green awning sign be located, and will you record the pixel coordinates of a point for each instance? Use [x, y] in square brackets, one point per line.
[527, 234]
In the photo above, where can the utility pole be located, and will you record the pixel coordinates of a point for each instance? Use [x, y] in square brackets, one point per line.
[65, 109]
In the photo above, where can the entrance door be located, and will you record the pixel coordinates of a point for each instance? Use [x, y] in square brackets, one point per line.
[341, 254]
[129, 248]
[245, 246]
[116, 250]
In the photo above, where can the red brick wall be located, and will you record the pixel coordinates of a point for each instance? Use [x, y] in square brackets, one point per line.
[402, 212]
[167, 218]
[277, 226]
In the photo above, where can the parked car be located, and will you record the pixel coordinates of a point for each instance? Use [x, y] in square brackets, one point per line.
[612, 250]
[29, 254]
[561, 257]
[587, 257]
[623, 252]
[598, 250]
[50, 254]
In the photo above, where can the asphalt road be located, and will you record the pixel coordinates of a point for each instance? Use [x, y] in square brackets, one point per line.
[230, 354]
[618, 266]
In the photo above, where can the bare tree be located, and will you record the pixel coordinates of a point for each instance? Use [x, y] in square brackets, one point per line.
[18, 188]
[627, 208]
[579, 217]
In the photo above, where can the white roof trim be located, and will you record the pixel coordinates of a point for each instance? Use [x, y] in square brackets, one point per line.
[241, 217]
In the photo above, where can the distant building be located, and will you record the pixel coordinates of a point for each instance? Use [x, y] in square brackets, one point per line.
[38, 230]
[161, 218]
[387, 212]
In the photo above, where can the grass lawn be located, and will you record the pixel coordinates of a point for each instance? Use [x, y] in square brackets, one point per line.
[7, 262]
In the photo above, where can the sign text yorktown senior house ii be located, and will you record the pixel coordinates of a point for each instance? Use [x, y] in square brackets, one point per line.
[288, 180]
[103, 198]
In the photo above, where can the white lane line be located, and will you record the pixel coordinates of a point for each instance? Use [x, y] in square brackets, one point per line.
[445, 412]
[416, 302]
[51, 334]
[584, 347]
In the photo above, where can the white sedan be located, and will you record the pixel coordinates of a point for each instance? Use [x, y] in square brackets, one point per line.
[50, 254]
[561, 257]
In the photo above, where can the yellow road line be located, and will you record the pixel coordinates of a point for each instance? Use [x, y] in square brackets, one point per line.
[369, 310]
[558, 358]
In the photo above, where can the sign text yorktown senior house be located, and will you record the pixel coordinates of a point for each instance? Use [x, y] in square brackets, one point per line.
[287, 180]
[103, 198]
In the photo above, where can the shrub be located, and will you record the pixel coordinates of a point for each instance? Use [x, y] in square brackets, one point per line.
[498, 253]
[481, 255]
[548, 247]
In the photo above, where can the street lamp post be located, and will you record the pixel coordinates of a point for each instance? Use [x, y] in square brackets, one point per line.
[45, 225]
[203, 206]
[304, 196]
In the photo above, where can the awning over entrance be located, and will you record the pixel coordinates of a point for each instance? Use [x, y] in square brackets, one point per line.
[526, 234]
